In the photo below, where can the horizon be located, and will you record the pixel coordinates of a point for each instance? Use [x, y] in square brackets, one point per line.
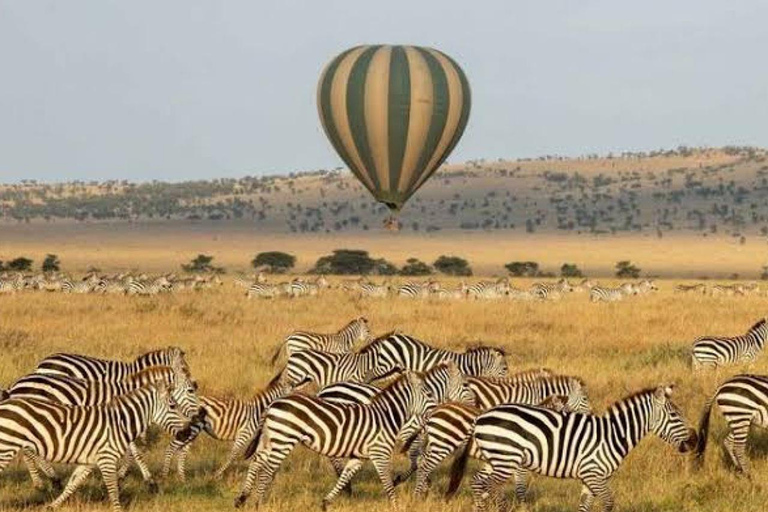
[98, 91]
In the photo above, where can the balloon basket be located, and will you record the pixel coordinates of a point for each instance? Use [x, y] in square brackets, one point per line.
[392, 224]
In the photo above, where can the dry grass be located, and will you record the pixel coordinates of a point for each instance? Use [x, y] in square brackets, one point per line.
[616, 348]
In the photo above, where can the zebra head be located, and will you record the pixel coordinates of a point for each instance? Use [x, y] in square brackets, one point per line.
[363, 329]
[577, 399]
[447, 384]
[422, 401]
[667, 421]
[490, 361]
[168, 414]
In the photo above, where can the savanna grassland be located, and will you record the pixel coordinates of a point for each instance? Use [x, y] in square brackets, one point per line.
[616, 348]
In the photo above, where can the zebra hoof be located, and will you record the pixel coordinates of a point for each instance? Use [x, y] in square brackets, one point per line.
[240, 501]
[152, 487]
[348, 490]
[324, 505]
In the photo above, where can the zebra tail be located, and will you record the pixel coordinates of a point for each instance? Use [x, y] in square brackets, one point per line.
[408, 442]
[277, 354]
[701, 443]
[458, 469]
[4, 395]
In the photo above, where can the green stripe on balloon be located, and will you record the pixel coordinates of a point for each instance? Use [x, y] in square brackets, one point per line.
[356, 112]
[399, 117]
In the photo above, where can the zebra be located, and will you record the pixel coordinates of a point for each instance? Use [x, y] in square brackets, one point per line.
[72, 391]
[525, 295]
[399, 352]
[606, 294]
[743, 401]
[585, 285]
[226, 420]
[264, 291]
[699, 288]
[517, 439]
[487, 290]
[77, 287]
[417, 290]
[646, 286]
[300, 288]
[450, 426]
[551, 291]
[728, 290]
[372, 290]
[94, 369]
[712, 351]
[86, 435]
[339, 342]
[141, 288]
[352, 431]
[326, 368]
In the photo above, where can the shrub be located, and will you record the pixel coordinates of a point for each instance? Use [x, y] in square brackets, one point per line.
[452, 266]
[51, 263]
[625, 269]
[763, 276]
[523, 268]
[276, 262]
[345, 262]
[20, 264]
[202, 263]
[382, 267]
[415, 267]
[570, 270]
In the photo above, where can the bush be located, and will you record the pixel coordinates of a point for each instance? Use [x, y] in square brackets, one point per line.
[570, 270]
[345, 262]
[276, 262]
[382, 267]
[523, 268]
[201, 264]
[20, 264]
[625, 269]
[763, 276]
[452, 266]
[415, 267]
[51, 263]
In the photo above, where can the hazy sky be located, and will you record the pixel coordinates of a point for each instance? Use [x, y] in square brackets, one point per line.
[148, 89]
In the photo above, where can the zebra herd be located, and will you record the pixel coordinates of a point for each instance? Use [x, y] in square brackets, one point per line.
[371, 394]
[108, 284]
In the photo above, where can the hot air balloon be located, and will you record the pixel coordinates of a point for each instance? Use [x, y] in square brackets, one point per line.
[393, 114]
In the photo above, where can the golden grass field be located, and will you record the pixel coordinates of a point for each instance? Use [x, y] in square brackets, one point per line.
[616, 348]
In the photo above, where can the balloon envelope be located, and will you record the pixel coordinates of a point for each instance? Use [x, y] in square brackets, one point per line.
[393, 114]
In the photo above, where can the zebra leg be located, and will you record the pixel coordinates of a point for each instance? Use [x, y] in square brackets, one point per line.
[108, 468]
[31, 462]
[596, 486]
[266, 461]
[735, 445]
[141, 463]
[429, 460]
[488, 481]
[481, 488]
[181, 462]
[521, 485]
[350, 470]
[338, 467]
[241, 442]
[170, 453]
[382, 462]
[414, 452]
[586, 499]
[79, 476]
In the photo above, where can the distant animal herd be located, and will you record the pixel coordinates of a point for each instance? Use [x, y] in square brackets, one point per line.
[372, 393]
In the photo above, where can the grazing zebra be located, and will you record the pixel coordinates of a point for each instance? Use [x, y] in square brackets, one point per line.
[353, 431]
[94, 369]
[227, 420]
[326, 368]
[339, 342]
[699, 288]
[264, 291]
[743, 401]
[400, 352]
[372, 290]
[605, 294]
[85, 435]
[450, 426]
[487, 290]
[712, 351]
[417, 290]
[517, 439]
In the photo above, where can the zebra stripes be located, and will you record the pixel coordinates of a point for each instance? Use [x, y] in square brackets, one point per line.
[417, 290]
[356, 432]
[400, 352]
[606, 294]
[226, 420]
[712, 352]
[87, 436]
[340, 342]
[487, 290]
[372, 290]
[516, 439]
[743, 402]
[263, 290]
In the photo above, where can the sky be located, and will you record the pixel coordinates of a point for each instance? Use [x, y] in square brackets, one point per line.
[189, 89]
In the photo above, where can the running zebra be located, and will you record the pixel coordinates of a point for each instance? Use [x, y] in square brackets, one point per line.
[400, 352]
[339, 342]
[743, 401]
[352, 431]
[712, 351]
[646, 286]
[372, 290]
[699, 288]
[226, 420]
[516, 439]
[326, 368]
[551, 291]
[264, 291]
[418, 290]
[94, 369]
[487, 289]
[605, 294]
[728, 290]
[299, 288]
[450, 426]
[149, 289]
[77, 287]
[87, 436]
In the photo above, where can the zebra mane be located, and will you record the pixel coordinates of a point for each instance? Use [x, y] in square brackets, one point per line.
[758, 325]
[478, 347]
[616, 406]
[151, 372]
[374, 343]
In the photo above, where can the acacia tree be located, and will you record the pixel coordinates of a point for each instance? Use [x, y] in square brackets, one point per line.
[276, 262]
